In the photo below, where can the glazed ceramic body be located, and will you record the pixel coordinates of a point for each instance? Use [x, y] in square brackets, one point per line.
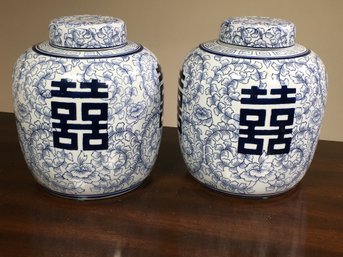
[88, 106]
[250, 108]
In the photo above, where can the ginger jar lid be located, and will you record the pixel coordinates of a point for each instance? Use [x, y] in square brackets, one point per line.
[257, 32]
[87, 32]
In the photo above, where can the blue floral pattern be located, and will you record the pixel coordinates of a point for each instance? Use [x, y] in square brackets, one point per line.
[259, 32]
[87, 31]
[134, 130]
[210, 119]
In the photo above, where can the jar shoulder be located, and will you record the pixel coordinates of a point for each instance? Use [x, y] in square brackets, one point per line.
[34, 56]
[203, 59]
[35, 71]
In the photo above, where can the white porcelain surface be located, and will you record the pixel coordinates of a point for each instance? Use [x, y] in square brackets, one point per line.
[89, 120]
[249, 116]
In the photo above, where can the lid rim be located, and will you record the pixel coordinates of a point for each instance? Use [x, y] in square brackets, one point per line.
[256, 47]
[46, 49]
[90, 49]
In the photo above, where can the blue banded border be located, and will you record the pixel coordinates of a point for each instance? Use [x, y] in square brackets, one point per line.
[36, 49]
[305, 53]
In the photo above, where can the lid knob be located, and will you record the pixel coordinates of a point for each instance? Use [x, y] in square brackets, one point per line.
[257, 32]
[87, 31]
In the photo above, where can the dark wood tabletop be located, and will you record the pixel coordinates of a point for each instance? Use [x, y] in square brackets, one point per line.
[170, 214]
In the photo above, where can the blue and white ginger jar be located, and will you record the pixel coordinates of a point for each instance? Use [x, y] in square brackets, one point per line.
[88, 106]
[250, 108]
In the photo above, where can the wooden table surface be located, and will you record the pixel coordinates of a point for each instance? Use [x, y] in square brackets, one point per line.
[170, 214]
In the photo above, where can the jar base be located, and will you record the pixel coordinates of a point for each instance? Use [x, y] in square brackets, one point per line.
[92, 197]
[247, 196]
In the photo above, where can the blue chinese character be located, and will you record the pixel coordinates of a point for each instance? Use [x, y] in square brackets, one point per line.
[94, 115]
[252, 133]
